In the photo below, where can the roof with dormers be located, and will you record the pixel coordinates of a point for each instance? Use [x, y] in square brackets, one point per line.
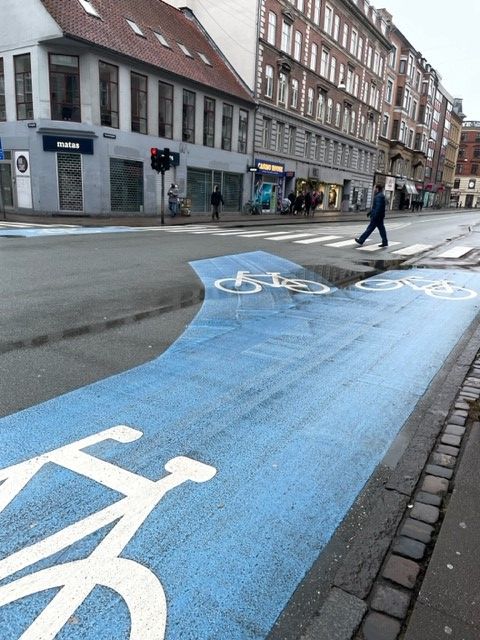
[112, 31]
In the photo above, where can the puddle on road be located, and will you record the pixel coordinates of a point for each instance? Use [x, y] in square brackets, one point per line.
[341, 276]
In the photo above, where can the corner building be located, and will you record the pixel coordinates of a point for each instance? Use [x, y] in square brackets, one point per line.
[87, 87]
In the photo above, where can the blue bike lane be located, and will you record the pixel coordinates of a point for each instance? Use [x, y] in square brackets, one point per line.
[293, 399]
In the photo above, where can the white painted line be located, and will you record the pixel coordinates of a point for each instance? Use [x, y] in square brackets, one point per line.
[246, 233]
[375, 247]
[455, 252]
[412, 249]
[256, 234]
[290, 236]
[343, 243]
[317, 239]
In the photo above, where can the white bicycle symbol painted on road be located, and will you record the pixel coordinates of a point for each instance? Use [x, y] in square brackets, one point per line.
[434, 288]
[246, 282]
[137, 585]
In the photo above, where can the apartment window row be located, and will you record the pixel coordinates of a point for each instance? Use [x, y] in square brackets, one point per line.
[64, 75]
[349, 39]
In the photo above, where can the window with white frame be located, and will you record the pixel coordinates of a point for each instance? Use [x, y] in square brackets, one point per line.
[320, 115]
[336, 27]
[356, 82]
[389, 91]
[313, 56]
[269, 81]
[362, 127]
[297, 47]
[329, 111]
[328, 19]
[385, 125]
[267, 132]
[341, 74]
[301, 5]
[307, 151]
[292, 140]
[360, 49]
[376, 62]
[310, 100]
[294, 94]
[332, 76]
[324, 62]
[349, 80]
[280, 140]
[392, 58]
[345, 35]
[338, 114]
[316, 11]
[353, 42]
[286, 37]
[369, 57]
[282, 88]
[353, 122]
[346, 119]
[272, 27]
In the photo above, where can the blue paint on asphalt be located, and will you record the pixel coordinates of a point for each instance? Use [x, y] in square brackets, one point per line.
[20, 232]
[294, 399]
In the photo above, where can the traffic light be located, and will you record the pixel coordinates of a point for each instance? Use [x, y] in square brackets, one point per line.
[154, 158]
[166, 159]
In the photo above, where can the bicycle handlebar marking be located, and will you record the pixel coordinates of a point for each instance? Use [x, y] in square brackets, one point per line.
[137, 585]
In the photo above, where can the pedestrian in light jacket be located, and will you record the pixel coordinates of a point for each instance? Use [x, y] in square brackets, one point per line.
[377, 216]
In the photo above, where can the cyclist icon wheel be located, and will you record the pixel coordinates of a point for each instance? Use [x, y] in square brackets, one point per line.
[434, 288]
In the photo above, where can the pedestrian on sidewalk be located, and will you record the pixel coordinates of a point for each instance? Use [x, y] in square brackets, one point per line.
[308, 203]
[173, 200]
[377, 216]
[216, 200]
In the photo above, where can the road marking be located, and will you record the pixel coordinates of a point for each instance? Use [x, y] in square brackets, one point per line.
[412, 249]
[455, 252]
[255, 234]
[317, 239]
[343, 243]
[375, 247]
[291, 236]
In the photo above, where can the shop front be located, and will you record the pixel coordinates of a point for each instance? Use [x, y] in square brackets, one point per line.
[328, 196]
[269, 185]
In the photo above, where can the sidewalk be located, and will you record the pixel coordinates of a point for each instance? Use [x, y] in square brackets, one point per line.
[226, 219]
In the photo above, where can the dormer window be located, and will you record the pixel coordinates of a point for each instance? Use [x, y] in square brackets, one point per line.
[161, 39]
[185, 50]
[204, 59]
[89, 8]
[135, 28]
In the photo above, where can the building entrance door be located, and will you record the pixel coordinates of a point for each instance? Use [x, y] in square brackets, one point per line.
[6, 186]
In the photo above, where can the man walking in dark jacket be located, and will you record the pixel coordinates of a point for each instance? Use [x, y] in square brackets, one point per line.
[215, 200]
[377, 216]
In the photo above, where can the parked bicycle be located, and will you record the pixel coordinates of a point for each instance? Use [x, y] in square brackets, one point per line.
[434, 288]
[246, 282]
[252, 207]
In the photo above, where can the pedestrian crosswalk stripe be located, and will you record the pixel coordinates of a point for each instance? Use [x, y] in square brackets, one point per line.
[375, 247]
[413, 248]
[257, 234]
[316, 239]
[291, 236]
[343, 243]
[455, 252]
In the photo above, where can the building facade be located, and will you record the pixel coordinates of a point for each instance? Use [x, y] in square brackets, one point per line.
[467, 182]
[88, 87]
[318, 71]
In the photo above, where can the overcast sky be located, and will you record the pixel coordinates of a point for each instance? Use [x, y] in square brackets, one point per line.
[447, 33]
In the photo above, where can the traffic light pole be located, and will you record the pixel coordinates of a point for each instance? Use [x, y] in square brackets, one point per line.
[162, 200]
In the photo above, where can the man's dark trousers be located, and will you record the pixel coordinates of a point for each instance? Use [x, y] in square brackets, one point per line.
[376, 222]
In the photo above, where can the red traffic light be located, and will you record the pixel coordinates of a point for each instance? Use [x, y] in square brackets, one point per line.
[153, 151]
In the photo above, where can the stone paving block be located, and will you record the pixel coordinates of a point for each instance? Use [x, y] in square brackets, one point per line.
[428, 498]
[471, 391]
[443, 460]
[390, 601]
[454, 441]
[409, 548]
[437, 486]
[464, 406]
[380, 627]
[425, 513]
[338, 619]
[440, 472]
[402, 571]
[454, 430]
[456, 419]
[450, 451]
[461, 413]
[417, 530]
